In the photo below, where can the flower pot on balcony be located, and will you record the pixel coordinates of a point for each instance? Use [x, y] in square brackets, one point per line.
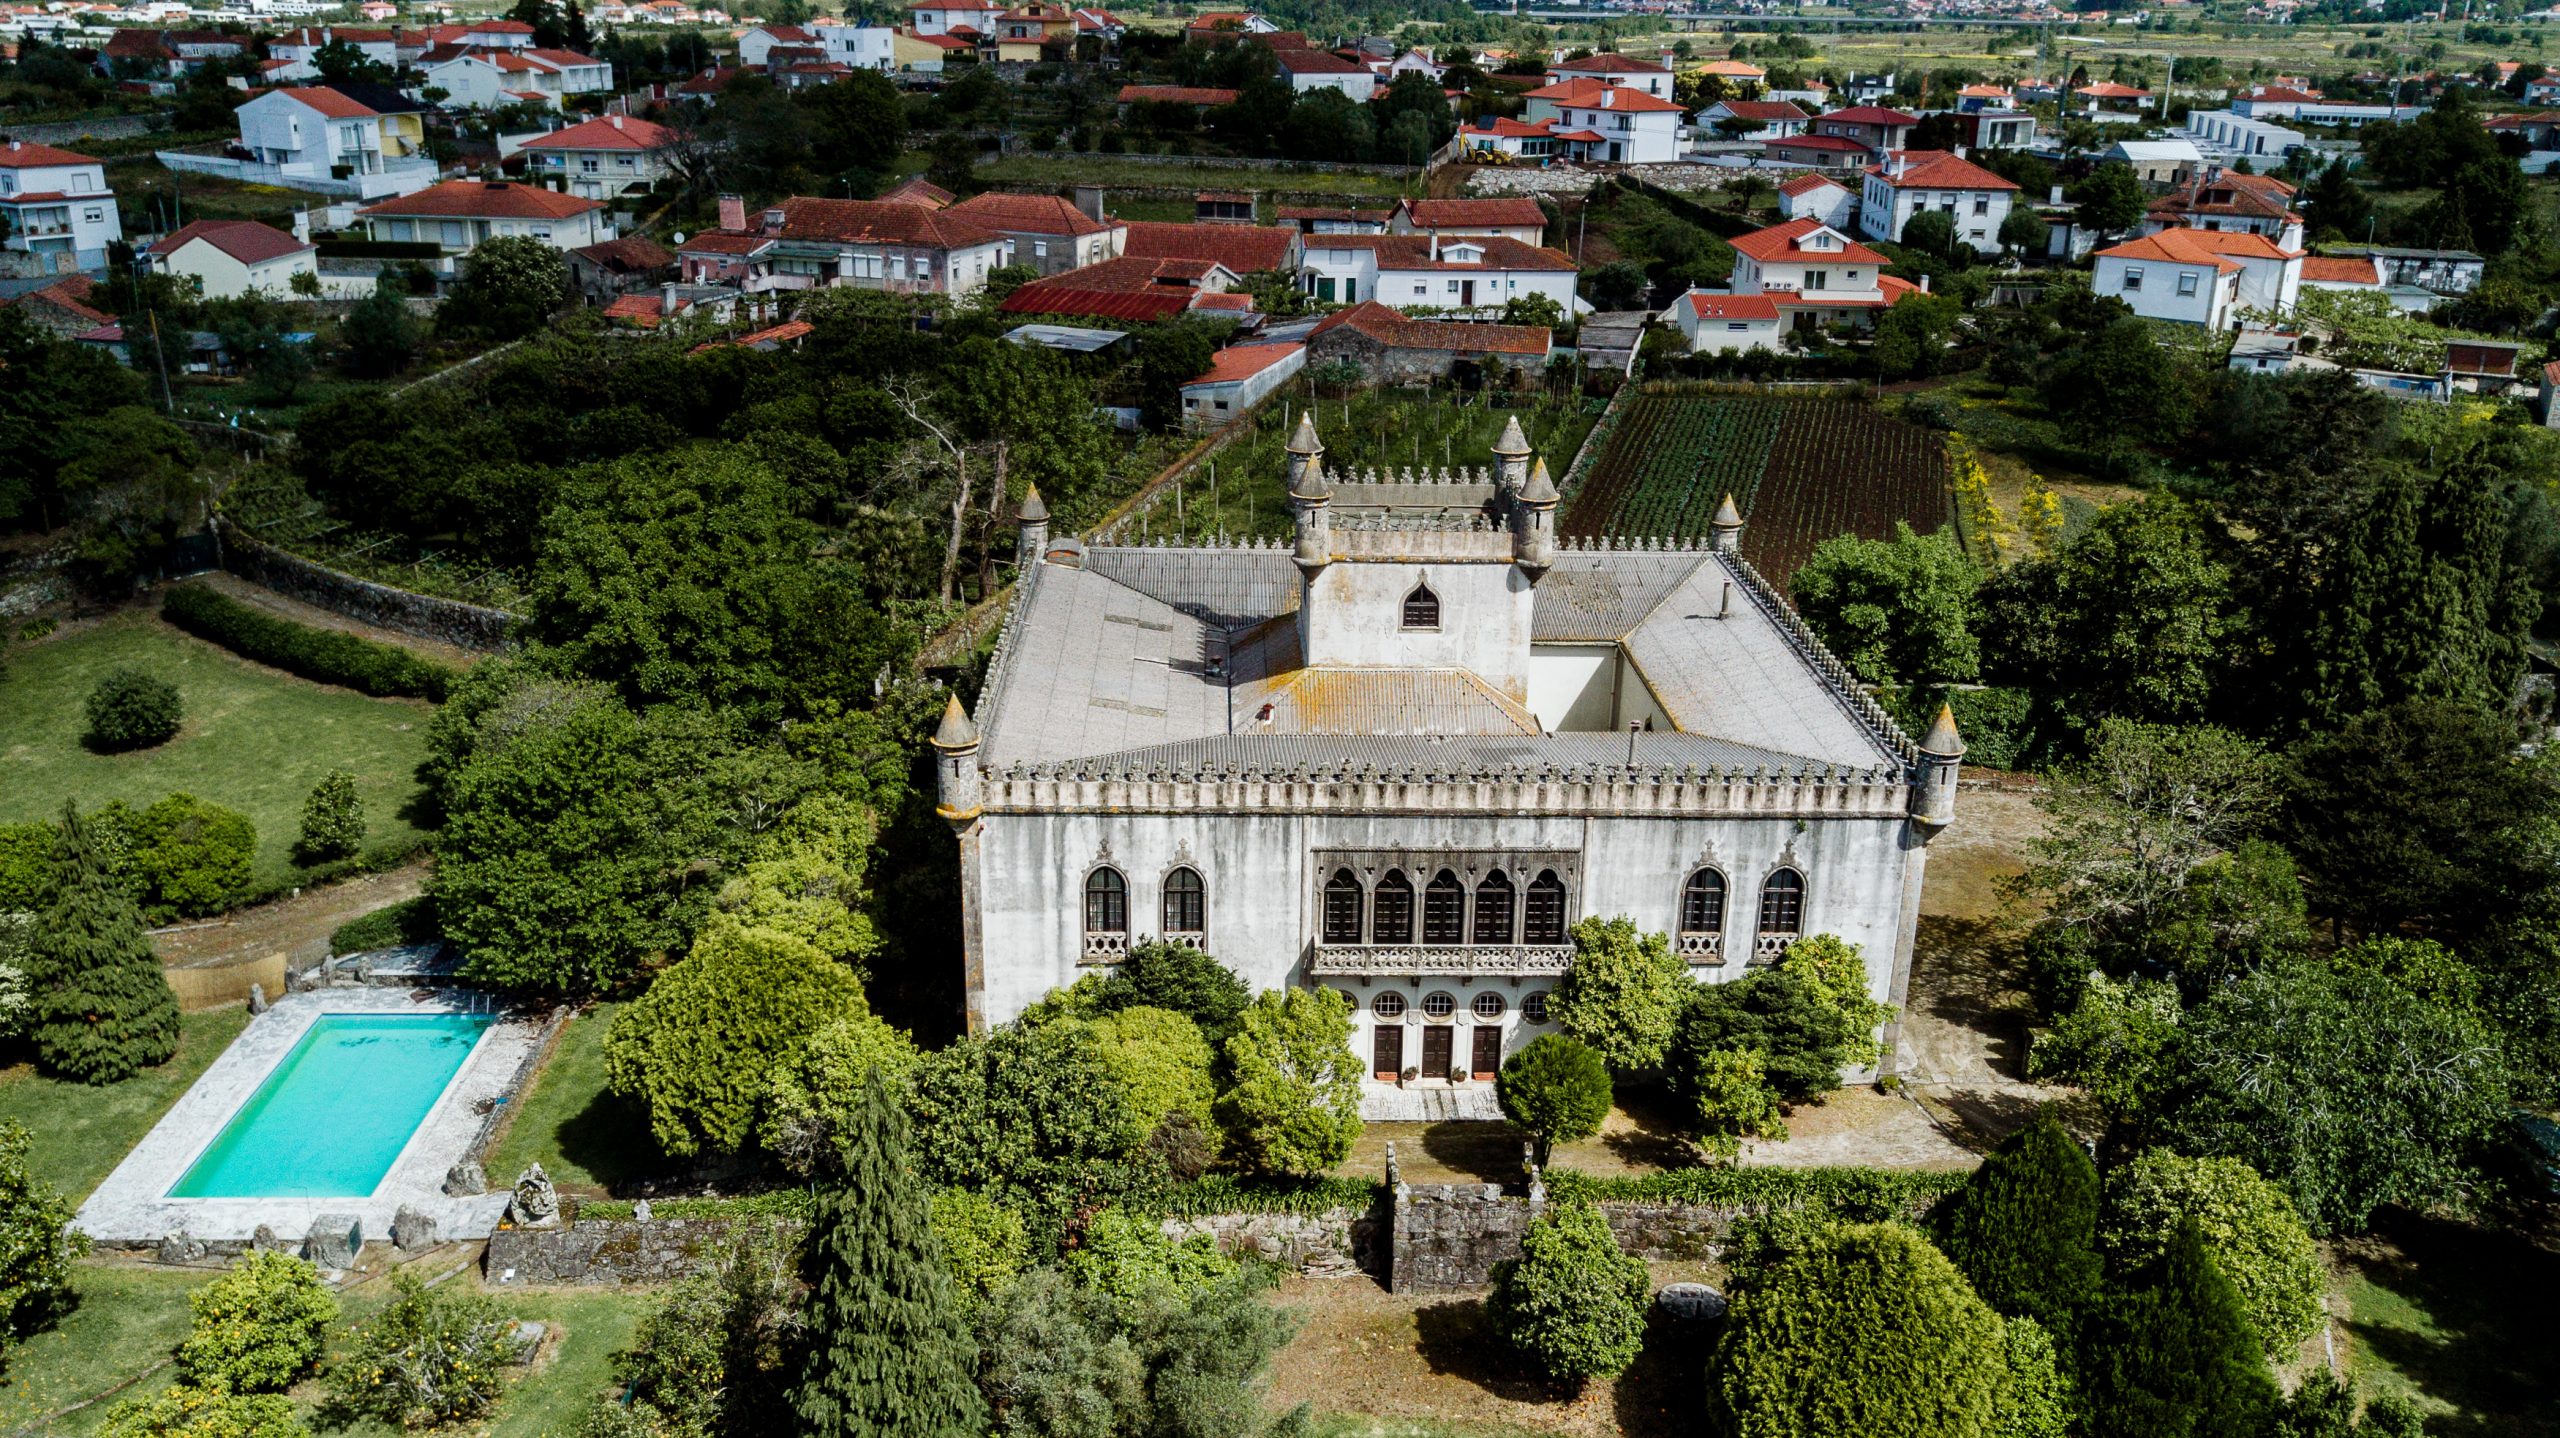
[1457, 1075]
[1408, 1076]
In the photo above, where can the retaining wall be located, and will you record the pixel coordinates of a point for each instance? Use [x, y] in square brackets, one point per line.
[1450, 1236]
[613, 1251]
[448, 621]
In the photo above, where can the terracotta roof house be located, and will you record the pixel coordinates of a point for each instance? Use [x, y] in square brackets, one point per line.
[1418, 271]
[809, 243]
[1631, 71]
[1814, 274]
[616, 267]
[1243, 249]
[1836, 153]
[1313, 69]
[1047, 233]
[63, 308]
[2260, 204]
[1714, 322]
[1907, 183]
[2200, 277]
[920, 191]
[458, 214]
[232, 258]
[1132, 288]
[1518, 218]
[1389, 348]
[1238, 377]
[603, 158]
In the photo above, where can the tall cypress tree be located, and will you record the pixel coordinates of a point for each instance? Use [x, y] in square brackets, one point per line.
[890, 1354]
[2178, 1358]
[102, 1011]
[2024, 1227]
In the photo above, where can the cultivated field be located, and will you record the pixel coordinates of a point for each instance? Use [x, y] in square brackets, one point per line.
[1802, 470]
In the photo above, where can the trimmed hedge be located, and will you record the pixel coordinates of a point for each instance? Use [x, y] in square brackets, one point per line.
[1215, 1193]
[410, 921]
[1860, 1195]
[322, 654]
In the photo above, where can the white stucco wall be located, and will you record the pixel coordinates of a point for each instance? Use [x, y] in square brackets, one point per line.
[1354, 615]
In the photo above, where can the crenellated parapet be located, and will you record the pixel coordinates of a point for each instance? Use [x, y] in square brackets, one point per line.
[1622, 791]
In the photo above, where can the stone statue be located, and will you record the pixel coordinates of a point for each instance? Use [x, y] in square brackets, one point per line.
[536, 1203]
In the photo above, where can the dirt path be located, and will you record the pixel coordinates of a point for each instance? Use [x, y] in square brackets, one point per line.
[298, 927]
[318, 618]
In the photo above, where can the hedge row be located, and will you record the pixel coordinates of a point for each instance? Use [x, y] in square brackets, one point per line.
[1862, 1195]
[796, 1203]
[322, 654]
[1216, 1193]
[410, 921]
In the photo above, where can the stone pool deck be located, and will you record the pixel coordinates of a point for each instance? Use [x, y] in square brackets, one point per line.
[133, 1209]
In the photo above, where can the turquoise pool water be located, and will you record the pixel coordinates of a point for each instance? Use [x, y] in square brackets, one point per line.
[331, 1119]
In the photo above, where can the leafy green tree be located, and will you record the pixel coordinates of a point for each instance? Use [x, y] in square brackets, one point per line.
[714, 1356]
[1623, 992]
[1031, 1115]
[38, 1245]
[1128, 1256]
[103, 1012]
[2110, 198]
[1729, 1096]
[1160, 1060]
[129, 709]
[2119, 1043]
[2119, 391]
[954, 164]
[983, 1242]
[1801, 1037]
[1864, 1329]
[2176, 1355]
[332, 818]
[2128, 619]
[1294, 1104]
[1913, 336]
[381, 336]
[189, 857]
[1556, 1089]
[889, 1353]
[1898, 611]
[1056, 1363]
[1327, 125]
[810, 1105]
[181, 1411]
[510, 287]
[435, 1356]
[1571, 1303]
[858, 122]
[698, 1048]
[1931, 232]
[259, 1327]
[2324, 1407]
[2343, 1086]
[1188, 981]
[2041, 1399]
[2249, 1228]
[1169, 357]
[2023, 231]
[2024, 1228]
[2335, 207]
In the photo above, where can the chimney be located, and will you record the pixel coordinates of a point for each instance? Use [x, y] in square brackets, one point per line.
[617, 121]
[1924, 284]
[1089, 202]
[733, 212]
[667, 299]
[2055, 197]
[773, 222]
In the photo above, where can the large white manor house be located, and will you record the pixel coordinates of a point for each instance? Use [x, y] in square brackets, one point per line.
[1401, 757]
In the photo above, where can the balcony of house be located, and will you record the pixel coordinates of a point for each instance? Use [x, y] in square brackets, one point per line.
[1453, 960]
[383, 178]
[39, 224]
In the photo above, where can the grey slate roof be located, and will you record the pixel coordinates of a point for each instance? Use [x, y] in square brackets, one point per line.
[1738, 676]
[1471, 754]
[1226, 587]
[1603, 596]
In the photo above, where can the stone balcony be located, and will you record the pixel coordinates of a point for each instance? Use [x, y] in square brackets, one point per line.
[1465, 960]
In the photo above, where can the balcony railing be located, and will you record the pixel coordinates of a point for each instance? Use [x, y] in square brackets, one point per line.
[1497, 960]
[1702, 948]
[1106, 947]
[1767, 947]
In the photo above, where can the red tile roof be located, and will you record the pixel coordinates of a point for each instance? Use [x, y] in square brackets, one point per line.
[1710, 306]
[1608, 65]
[880, 222]
[2110, 90]
[1839, 143]
[1393, 329]
[1131, 274]
[1223, 301]
[485, 200]
[1504, 127]
[919, 191]
[1807, 184]
[1763, 110]
[2240, 243]
[606, 132]
[1027, 214]
[790, 34]
[1588, 94]
[1175, 95]
[28, 155]
[1237, 362]
[1449, 214]
[1414, 252]
[1315, 62]
[2480, 357]
[1779, 243]
[247, 241]
[2341, 270]
[560, 57]
[1870, 115]
[2176, 247]
[780, 334]
[1245, 249]
[71, 294]
[645, 309]
[1057, 297]
[1937, 170]
[629, 255]
[497, 27]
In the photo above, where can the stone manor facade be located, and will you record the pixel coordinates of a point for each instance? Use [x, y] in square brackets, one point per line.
[1400, 757]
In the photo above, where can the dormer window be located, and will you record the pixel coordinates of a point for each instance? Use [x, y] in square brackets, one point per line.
[1422, 608]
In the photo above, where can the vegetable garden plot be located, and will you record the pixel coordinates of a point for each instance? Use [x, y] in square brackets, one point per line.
[1669, 463]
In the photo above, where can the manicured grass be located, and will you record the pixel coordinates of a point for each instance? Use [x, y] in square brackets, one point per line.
[254, 740]
[128, 1318]
[584, 1137]
[2454, 1314]
[551, 1398]
[83, 1132]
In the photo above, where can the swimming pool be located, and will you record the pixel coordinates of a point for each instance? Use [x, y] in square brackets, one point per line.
[334, 1115]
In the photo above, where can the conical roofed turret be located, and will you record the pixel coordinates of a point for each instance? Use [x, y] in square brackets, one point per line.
[1943, 740]
[957, 731]
[1540, 489]
[1306, 461]
[1034, 509]
[1727, 514]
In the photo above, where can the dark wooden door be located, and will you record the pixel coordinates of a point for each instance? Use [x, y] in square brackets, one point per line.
[1387, 1058]
[1436, 1041]
[1488, 1056]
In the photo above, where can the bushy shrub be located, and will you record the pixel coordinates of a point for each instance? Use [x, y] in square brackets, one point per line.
[2177, 1354]
[1128, 1256]
[332, 819]
[26, 867]
[1030, 1115]
[2024, 1228]
[712, 1358]
[2040, 1399]
[1623, 993]
[38, 1246]
[2249, 1228]
[1802, 1038]
[132, 710]
[808, 1109]
[983, 1244]
[1555, 1089]
[189, 857]
[258, 1327]
[1160, 1058]
[186, 1412]
[805, 879]
[325, 655]
[700, 1046]
[1730, 1098]
[1295, 1103]
[410, 921]
[1571, 1303]
[1186, 980]
[102, 1009]
[435, 1356]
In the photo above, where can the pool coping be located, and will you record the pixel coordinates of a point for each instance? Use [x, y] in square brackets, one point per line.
[132, 1208]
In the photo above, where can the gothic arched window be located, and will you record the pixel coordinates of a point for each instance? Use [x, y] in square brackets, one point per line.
[1422, 608]
[1186, 903]
[1444, 910]
[1702, 903]
[1782, 903]
[1342, 896]
[1392, 921]
[1106, 902]
[1543, 917]
[1493, 908]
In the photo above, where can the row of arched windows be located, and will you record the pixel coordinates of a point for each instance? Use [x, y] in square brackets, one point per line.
[1496, 911]
[1185, 904]
[1781, 903]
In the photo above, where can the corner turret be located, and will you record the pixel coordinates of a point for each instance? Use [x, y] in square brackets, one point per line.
[1513, 452]
[1726, 527]
[1310, 498]
[1933, 790]
[1031, 537]
[1533, 524]
[955, 766]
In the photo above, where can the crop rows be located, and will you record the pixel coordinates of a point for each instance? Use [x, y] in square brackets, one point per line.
[1670, 461]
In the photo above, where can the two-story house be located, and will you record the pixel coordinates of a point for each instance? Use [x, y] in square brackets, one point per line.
[491, 79]
[1608, 124]
[2200, 277]
[1815, 275]
[603, 158]
[457, 215]
[303, 44]
[58, 206]
[317, 131]
[1873, 126]
[2227, 200]
[1309, 69]
[863, 47]
[1907, 182]
[1626, 70]
[969, 18]
[1022, 32]
[1428, 272]
[1755, 119]
[1047, 233]
[1515, 218]
[806, 243]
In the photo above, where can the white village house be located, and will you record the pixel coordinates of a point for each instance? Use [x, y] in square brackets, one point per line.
[458, 214]
[1608, 124]
[2200, 277]
[1815, 275]
[231, 258]
[58, 206]
[603, 158]
[1399, 757]
[1716, 323]
[1907, 182]
[1426, 271]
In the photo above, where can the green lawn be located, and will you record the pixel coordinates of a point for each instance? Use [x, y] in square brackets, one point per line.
[254, 740]
[82, 1132]
[584, 1137]
[2453, 1313]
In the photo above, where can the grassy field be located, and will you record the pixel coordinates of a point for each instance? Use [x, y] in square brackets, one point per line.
[2451, 1313]
[81, 1131]
[146, 182]
[254, 740]
[585, 1138]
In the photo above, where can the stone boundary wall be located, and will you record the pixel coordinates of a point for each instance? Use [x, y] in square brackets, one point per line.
[1336, 1243]
[448, 621]
[1448, 1237]
[68, 133]
[614, 1251]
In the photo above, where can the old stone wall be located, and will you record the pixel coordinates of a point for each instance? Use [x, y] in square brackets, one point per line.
[1336, 1243]
[617, 1250]
[1450, 1236]
[449, 621]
